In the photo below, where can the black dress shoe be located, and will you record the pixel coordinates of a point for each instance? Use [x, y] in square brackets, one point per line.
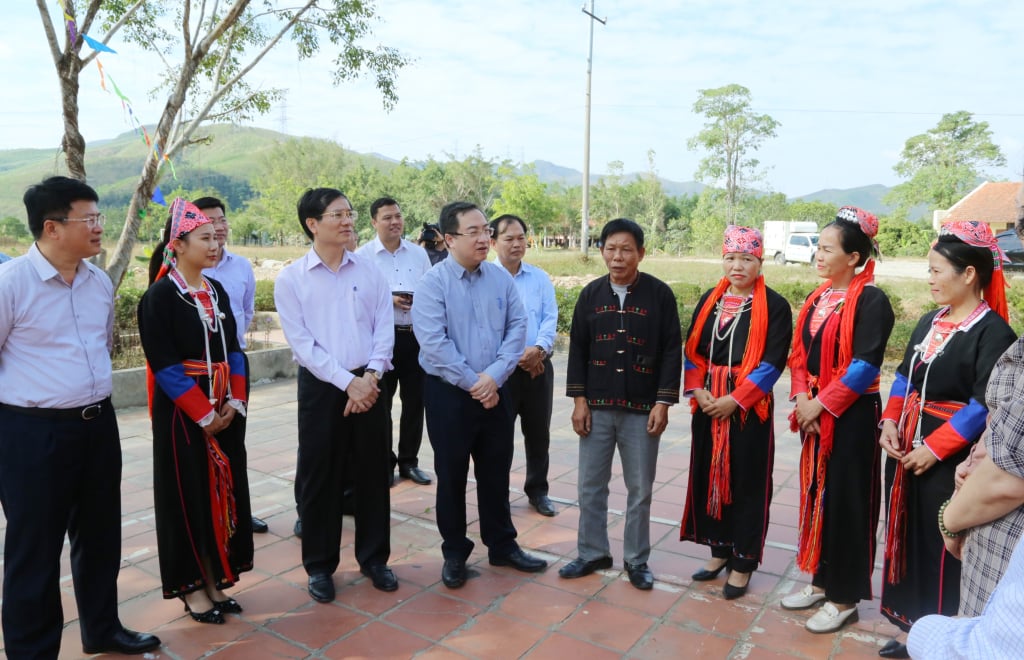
[640, 576]
[543, 505]
[520, 561]
[453, 573]
[579, 567]
[297, 529]
[127, 642]
[704, 575]
[259, 526]
[415, 474]
[321, 587]
[894, 649]
[229, 606]
[383, 578]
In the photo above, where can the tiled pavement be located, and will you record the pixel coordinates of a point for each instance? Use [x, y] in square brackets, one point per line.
[499, 613]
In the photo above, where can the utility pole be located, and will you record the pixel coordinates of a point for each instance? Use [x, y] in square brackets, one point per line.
[585, 223]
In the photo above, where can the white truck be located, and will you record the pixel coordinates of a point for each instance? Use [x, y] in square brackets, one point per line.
[790, 240]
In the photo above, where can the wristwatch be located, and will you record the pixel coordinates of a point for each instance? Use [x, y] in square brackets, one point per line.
[374, 373]
[543, 352]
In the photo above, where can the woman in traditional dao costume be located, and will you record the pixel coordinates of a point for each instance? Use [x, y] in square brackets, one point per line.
[838, 347]
[197, 403]
[736, 350]
[936, 411]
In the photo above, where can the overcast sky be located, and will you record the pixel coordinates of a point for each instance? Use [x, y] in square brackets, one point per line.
[849, 82]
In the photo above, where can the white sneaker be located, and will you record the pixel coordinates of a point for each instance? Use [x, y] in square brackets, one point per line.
[802, 599]
[830, 619]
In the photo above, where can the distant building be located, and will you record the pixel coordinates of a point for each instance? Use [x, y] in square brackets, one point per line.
[997, 203]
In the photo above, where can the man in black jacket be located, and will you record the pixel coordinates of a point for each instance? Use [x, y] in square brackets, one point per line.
[625, 365]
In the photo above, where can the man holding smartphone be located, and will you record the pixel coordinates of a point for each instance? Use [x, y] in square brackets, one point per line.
[403, 264]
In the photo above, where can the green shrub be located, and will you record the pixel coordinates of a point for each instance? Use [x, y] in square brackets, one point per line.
[566, 298]
[794, 291]
[265, 296]
[126, 303]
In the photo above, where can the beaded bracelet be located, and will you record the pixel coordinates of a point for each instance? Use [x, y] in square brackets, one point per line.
[942, 523]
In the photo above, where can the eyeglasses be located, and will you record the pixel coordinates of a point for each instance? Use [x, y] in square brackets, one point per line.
[91, 221]
[473, 233]
[338, 215]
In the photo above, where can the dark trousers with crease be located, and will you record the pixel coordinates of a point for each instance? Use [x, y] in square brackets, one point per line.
[531, 401]
[328, 443]
[57, 476]
[407, 378]
[459, 429]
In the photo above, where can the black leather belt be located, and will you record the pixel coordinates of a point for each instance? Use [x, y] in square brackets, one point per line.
[91, 411]
[403, 328]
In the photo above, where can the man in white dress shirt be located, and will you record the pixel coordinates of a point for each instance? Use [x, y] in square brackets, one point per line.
[335, 309]
[403, 264]
[60, 451]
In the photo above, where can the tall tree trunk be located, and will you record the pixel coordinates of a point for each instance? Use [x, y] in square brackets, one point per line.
[122, 257]
[72, 144]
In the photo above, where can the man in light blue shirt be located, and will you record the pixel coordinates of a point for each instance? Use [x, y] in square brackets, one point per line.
[235, 274]
[997, 633]
[531, 386]
[471, 327]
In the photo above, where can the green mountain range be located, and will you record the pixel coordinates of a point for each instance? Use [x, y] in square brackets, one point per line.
[227, 159]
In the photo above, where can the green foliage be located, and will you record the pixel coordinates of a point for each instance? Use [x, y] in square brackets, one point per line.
[898, 237]
[126, 302]
[945, 163]
[708, 222]
[731, 132]
[526, 196]
[794, 291]
[811, 211]
[566, 298]
[13, 229]
[265, 296]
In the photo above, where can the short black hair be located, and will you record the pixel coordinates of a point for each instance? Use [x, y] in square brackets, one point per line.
[209, 203]
[619, 225]
[508, 217]
[314, 202]
[430, 233]
[449, 218]
[378, 203]
[52, 199]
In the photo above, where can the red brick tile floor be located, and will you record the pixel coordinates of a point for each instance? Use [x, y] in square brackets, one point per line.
[499, 613]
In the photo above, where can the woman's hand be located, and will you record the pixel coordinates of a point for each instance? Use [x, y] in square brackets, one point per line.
[890, 440]
[919, 460]
[807, 413]
[221, 420]
[721, 408]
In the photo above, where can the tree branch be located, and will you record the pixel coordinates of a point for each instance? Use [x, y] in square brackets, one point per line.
[90, 14]
[127, 16]
[219, 92]
[51, 36]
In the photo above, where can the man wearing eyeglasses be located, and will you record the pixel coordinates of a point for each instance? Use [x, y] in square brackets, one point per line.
[403, 264]
[335, 309]
[236, 276]
[60, 450]
[471, 326]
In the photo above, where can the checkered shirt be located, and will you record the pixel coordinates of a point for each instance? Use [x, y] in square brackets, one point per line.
[988, 548]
